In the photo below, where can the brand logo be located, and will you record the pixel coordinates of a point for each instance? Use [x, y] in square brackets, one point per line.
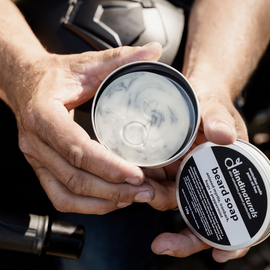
[229, 163]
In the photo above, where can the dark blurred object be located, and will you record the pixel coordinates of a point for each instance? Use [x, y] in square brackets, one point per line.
[39, 235]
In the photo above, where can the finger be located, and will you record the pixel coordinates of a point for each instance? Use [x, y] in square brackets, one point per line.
[84, 183]
[222, 123]
[218, 123]
[222, 128]
[165, 198]
[74, 144]
[158, 175]
[65, 201]
[224, 255]
[178, 245]
[124, 55]
[64, 135]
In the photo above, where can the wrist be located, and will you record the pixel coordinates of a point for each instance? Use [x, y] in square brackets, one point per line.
[211, 85]
[20, 78]
[220, 120]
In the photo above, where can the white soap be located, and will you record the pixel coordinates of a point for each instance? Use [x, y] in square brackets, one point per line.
[142, 117]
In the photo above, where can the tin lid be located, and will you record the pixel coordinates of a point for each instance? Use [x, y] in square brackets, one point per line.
[223, 194]
[161, 78]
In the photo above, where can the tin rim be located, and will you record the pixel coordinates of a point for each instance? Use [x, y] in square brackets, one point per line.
[175, 77]
[264, 230]
[265, 170]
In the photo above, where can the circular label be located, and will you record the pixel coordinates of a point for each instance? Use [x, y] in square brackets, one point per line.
[222, 196]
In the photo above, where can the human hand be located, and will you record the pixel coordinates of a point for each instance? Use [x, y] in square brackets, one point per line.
[163, 181]
[221, 124]
[221, 53]
[77, 173]
[185, 243]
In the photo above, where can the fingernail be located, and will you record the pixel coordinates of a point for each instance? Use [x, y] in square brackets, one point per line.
[123, 204]
[223, 256]
[227, 134]
[166, 252]
[224, 127]
[133, 180]
[143, 196]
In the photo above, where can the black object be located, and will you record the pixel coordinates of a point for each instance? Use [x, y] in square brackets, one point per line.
[38, 235]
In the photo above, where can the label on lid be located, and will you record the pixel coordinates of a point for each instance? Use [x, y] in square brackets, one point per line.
[222, 195]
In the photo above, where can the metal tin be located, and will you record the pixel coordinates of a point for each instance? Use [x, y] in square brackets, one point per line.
[184, 89]
[223, 194]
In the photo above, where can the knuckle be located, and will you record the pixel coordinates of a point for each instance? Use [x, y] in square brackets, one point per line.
[75, 154]
[118, 52]
[25, 145]
[73, 182]
[163, 206]
[115, 195]
[118, 195]
[111, 171]
[78, 184]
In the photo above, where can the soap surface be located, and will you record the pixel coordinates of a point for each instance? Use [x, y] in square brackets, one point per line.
[142, 117]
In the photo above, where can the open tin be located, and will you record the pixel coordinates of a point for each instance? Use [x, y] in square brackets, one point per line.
[223, 194]
[147, 113]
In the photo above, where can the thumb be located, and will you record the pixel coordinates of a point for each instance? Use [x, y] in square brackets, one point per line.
[100, 64]
[219, 127]
[218, 122]
[114, 58]
[89, 69]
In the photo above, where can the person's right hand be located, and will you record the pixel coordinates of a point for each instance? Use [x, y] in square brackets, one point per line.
[77, 173]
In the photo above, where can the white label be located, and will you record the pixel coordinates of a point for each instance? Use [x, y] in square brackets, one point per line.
[221, 197]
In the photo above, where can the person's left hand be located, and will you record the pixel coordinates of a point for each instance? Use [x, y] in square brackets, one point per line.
[221, 124]
[185, 243]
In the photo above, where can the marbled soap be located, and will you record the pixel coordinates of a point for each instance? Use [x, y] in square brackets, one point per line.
[142, 117]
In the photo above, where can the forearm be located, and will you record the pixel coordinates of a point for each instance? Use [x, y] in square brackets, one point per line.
[19, 49]
[225, 42]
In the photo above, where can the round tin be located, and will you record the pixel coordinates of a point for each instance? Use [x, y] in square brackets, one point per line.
[223, 194]
[149, 105]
